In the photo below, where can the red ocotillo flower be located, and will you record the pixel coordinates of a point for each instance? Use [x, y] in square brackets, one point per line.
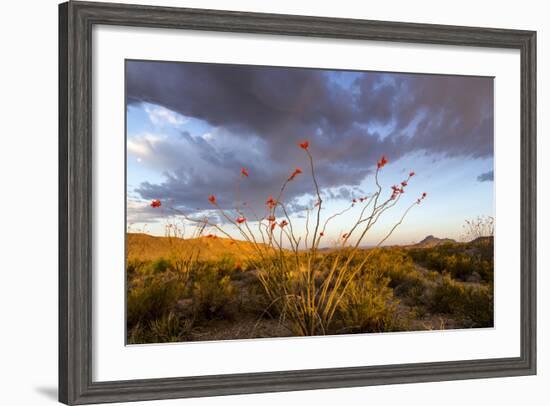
[271, 203]
[155, 203]
[283, 223]
[321, 234]
[212, 199]
[424, 195]
[304, 144]
[411, 174]
[273, 225]
[297, 171]
[404, 183]
[383, 161]
[395, 192]
[345, 235]
[244, 172]
[240, 220]
[271, 218]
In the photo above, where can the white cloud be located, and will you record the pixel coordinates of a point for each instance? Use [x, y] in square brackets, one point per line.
[143, 146]
[162, 116]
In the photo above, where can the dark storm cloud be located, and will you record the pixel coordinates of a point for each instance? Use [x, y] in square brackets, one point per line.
[243, 97]
[486, 177]
[268, 110]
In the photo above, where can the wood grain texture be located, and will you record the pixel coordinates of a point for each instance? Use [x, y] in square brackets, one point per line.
[63, 366]
[76, 20]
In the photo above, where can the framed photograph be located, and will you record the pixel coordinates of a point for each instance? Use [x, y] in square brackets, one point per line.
[258, 203]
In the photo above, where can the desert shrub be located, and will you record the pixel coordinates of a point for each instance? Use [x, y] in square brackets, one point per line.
[168, 328]
[227, 265]
[134, 267]
[484, 248]
[412, 287]
[478, 309]
[473, 304]
[485, 269]
[461, 261]
[136, 334]
[174, 267]
[458, 265]
[368, 307]
[447, 296]
[395, 264]
[438, 260]
[158, 266]
[251, 295]
[150, 299]
[212, 294]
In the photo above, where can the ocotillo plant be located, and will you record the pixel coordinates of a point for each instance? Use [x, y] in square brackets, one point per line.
[306, 286]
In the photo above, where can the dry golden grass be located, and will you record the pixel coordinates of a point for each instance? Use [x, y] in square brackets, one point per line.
[173, 297]
[144, 247]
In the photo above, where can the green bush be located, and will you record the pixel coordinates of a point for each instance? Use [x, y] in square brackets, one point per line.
[478, 309]
[168, 328]
[368, 307]
[212, 294]
[461, 261]
[473, 304]
[396, 265]
[133, 269]
[159, 266]
[151, 299]
[412, 287]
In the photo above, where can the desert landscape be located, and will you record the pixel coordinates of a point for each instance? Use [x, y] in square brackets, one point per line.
[206, 289]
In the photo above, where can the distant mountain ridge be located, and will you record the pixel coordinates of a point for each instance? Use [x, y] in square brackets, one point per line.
[147, 247]
[431, 241]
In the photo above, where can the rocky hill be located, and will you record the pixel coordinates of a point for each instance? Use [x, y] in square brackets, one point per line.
[431, 241]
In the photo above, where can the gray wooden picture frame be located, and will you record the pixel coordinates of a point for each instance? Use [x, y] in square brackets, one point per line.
[76, 20]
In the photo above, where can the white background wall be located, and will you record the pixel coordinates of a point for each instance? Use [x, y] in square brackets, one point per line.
[28, 200]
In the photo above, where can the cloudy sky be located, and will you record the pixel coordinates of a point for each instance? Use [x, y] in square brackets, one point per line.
[191, 128]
